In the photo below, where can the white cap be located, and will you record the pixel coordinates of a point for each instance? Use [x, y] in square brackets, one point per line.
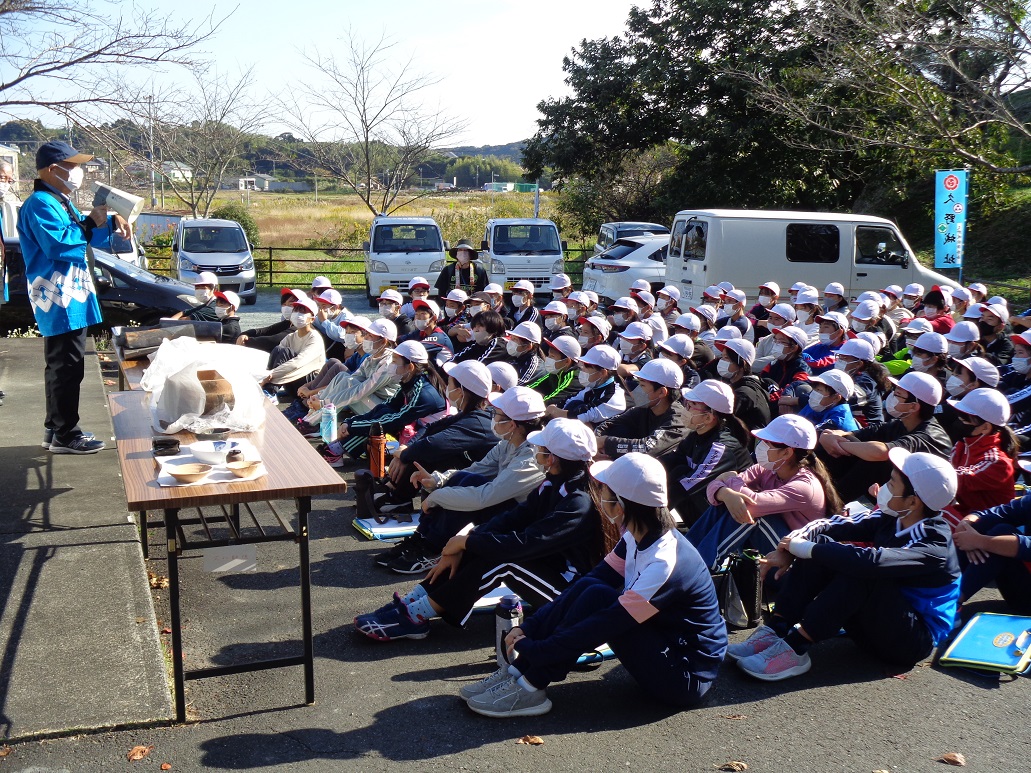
[431, 306]
[319, 282]
[639, 285]
[977, 287]
[725, 286]
[602, 356]
[858, 348]
[998, 310]
[895, 290]
[933, 479]
[773, 287]
[662, 372]
[914, 289]
[838, 380]
[567, 346]
[391, 295]
[727, 333]
[741, 347]
[870, 295]
[998, 300]
[706, 311]
[670, 291]
[983, 371]
[635, 477]
[689, 321]
[555, 307]
[973, 311]
[807, 295]
[963, 332]
[330, 296]
[1021, 338]
[592, 295]
[867, 310]
[457, 295]
[569, 439]
[785, 310]
[413, 351]
[577, 296]
[362, 323]
[471, 374]
[383, 328]
[528, 331]
[418, 281]
[988, 405]
[229, 297]
[836, 317]
[599, 323]
[795, 334]
[637, 331]
[962, 294]
[206, 278]
[625, 302]
[680, 344]
[713, 291]
[834, 288]
[560, 282]
[524, 285]
[646, 298]
[715, 394]
[504, 375]
[934, 343]
[875, 338]
[738, 296]
[918, 325]
[306, 303]
[798, 286]
[789, 430]
[494, 289]
[923, 386]
[518, 402]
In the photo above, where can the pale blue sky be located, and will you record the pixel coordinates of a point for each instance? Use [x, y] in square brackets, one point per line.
[496, 58]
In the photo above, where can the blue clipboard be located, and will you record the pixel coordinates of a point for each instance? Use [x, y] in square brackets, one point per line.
[992, 642]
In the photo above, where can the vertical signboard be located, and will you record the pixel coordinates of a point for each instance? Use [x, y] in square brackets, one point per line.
[950, 217]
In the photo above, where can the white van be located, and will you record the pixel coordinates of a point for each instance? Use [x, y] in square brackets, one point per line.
[523, 248]
[749, 247]
[400, 248]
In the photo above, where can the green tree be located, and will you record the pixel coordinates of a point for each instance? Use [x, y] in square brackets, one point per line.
[474, 171]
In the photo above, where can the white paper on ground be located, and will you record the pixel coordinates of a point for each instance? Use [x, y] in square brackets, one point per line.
[231, 558]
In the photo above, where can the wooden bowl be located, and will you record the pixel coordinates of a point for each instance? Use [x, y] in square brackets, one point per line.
[242, 469]
[188, 473]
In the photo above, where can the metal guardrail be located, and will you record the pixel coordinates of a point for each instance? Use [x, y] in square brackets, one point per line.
[274, 266]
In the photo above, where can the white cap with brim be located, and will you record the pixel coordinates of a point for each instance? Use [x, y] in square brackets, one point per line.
[330, 296]
[598, 323]
[568, 439]
[456, 295]
[524, 285]
[743, 348]
[418, 281]
[670, 291]
[504, 375]
[625, 302]
[858, 348]
[471, 374]
[836, 317]
[634, 477]
[555, 307]
[983, 370]
[785, 310]
[601, 356]
[917, 326]
[206, 278]
[494, 289]
[715, 394]
[661, 372]
[519, 403]
[934, 343]
[789, 430]
[413, 351]
[567, 346]
[988, 405]
[229, 297]
[680, 345]
[963, 332]
[528, 331]
[807, 295]
[838, 380]
[689, 321]
[933, 479]
[640, 331]
[834, 288]
[923, 386]
[794, 334]
[391, 295]
[560, 282]
[383, 328]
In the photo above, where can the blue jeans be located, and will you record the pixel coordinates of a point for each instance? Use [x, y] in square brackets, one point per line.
[716, 534]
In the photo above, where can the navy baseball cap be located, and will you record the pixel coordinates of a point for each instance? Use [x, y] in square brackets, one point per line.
[57, 152]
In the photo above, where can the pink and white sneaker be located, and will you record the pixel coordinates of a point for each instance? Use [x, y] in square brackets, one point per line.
[761, 638]
[778, 661]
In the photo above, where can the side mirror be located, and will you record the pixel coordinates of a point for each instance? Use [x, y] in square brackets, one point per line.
[175, 246]
[365, 246]
[484, 246]
[905, 260]
[103, 284]
[447, 245]
[565, 245]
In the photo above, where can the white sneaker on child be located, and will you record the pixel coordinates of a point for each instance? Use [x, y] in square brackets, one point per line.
[761, 638]
[778, 661]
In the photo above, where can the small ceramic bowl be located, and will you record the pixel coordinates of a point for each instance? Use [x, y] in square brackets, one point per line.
[212, 451]
[242, 469]
[188, 473]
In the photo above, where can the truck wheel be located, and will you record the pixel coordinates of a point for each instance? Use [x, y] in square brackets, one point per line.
[372, 299]
[250, 300]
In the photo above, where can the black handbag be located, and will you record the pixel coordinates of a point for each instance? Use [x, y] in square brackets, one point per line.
[739, 590]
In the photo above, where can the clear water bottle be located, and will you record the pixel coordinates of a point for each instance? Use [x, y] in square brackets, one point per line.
[508, 614]
[328, 423]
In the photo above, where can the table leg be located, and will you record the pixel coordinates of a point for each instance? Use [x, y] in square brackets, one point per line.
[303, 508]
[234, 514]
[178, 677]
[144, 534]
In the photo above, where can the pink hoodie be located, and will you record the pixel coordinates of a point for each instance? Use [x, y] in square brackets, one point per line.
[798, 500]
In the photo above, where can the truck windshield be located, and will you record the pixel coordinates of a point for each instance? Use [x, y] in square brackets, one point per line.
[526, 239]
[407, 238]
[214, 239]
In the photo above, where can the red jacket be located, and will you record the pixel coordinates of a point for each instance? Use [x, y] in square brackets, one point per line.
[942, 324]
[986, 476]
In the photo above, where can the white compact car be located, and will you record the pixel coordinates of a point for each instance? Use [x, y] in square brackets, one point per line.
[610, 273]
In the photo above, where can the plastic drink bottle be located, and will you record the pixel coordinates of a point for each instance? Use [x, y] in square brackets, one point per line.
[328, 423]
[508, 614]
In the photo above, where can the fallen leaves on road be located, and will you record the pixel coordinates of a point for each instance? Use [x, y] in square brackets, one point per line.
[109, 382]
[735, 717]
[733, 765]
[531, 740]
[4, 751]
[166, 631]
[137, 753]
[166, 765]
[156, 580]
[953, 758]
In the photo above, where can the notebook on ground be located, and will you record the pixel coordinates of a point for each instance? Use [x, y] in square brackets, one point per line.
[391, 530]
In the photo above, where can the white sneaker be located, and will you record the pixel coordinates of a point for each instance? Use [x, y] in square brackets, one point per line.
[508, 699]
[778, 661]
[761, 638]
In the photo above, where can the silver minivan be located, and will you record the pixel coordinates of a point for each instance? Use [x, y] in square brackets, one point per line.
[218, 246]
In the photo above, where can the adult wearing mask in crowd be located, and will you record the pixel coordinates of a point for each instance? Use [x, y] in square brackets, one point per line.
[465, 273]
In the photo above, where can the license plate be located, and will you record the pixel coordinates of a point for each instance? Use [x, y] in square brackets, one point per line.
[509, 285]
[590, 284]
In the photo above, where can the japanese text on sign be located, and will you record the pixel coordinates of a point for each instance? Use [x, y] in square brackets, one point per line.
[950, 217]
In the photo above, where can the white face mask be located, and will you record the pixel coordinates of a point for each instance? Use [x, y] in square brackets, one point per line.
[397, 371]
[955, 386]
[931, 312]
[332, 312]
[1021, 364]
[286, 311]
[765, 301]
[572, 313]
[779, 351]
[859, 326]
[422, 324]
[584, 340]
[519, 300]
[451, 313]
[955, 350]
[816, 401]
[909, 302]
[481, 336]
[585, 379]
[762, 456]
[420, 295]
[388, 310]
[512, 347]
[619, 319]
[774, 325]
[626, 348]
[884, 496]
[826, 339]
[841, 365]
[557, 297]
[5, 188]
[891, 405]
[724, 368]
[221, 312]
[474, 310]
[299, 320]
[551, 366]
[498, 434]
[553, 323]
[74, 181]
[922, 364]
[368, 346]
[455, 396]
[350, 340]
[203, 295]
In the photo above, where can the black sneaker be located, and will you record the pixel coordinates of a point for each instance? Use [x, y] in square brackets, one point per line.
[413, 562]
[48, 437]
[407, 544]
[79, 445]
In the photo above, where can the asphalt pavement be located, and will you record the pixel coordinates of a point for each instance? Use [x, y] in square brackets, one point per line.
[394, 706]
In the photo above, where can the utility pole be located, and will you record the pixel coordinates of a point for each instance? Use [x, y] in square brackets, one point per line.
[150, 122]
